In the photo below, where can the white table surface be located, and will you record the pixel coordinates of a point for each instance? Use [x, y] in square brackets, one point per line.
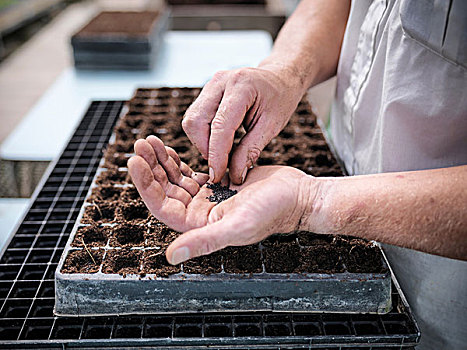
[186, 59]
[11, 211]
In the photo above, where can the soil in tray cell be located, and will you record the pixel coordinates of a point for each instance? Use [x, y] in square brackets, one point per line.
[126, 234]
[311, 239]
[99, 211]
[160, 235]
[124, 146]
[361, 256]
[242, 259]
[124, 134]
[80, 261]
[130, 194]
[91, 236]
[113, 176]
[106, 193]
[117, 159]
[156, 263]
[204, 265]
[320, 259]
[122, 261]
[134, 210]
[282, 258]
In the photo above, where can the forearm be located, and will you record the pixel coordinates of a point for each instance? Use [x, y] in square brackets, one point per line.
[309, 44]
[423, 210]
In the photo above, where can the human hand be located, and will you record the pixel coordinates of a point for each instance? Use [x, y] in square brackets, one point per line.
[273, 199]
[261, 99]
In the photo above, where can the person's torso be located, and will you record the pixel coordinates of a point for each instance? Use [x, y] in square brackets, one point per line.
[401, 104]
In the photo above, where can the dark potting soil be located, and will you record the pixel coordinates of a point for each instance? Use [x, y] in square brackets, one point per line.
[362, 256]
[134, 210]
[112, 177]
[155, 262]
[204, 265]
[99, 212]
[279, 238]
[130, 194]
[91, 236]
[242, 260]
[129, 23]
[124, 261]
[282, 258]
[160, 235]
[220, 193]
[80, 261]
[118, 160]
[312, 239]
[105, 192]
[320, 259]
[125, 234]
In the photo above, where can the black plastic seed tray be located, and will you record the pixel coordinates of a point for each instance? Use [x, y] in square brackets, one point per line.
[114, 40]
[27, 287]
[96, 291]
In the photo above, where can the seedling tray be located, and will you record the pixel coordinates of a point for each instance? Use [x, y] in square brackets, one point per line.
[114, 261]
[30, 258]
[120, 40]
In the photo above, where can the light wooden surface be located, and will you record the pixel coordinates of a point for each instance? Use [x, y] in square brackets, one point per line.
[28, 72]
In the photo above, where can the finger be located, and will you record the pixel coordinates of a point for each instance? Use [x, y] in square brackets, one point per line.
[169, 210]
[198, 205]
[145, 150]
[198, 117]
[173, 154]
[200, 178]
[235, 104]
[170, 166]
[248, 150]
[201, 241]
[225, 180]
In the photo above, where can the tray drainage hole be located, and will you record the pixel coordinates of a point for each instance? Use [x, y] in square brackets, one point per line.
[129, 234]
[247, 330]
[217, 330]
[190, 331]
[307, 329]
[157, 331]
[276, 330]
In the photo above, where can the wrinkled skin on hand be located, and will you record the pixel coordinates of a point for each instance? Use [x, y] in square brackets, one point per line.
[270, 201]
[259, 99]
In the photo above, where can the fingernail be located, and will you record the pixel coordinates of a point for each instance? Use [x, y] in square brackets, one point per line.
[180, 255]
[244, 174]
[211, 174]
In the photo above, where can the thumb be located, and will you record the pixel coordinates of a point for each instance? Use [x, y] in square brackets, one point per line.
[201, 241]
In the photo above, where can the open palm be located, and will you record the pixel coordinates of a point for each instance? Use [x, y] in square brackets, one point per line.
[266, 202]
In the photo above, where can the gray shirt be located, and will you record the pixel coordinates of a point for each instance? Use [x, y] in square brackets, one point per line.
[401, 104]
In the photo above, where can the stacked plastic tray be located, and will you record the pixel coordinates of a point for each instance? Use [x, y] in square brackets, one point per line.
[120, 40]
